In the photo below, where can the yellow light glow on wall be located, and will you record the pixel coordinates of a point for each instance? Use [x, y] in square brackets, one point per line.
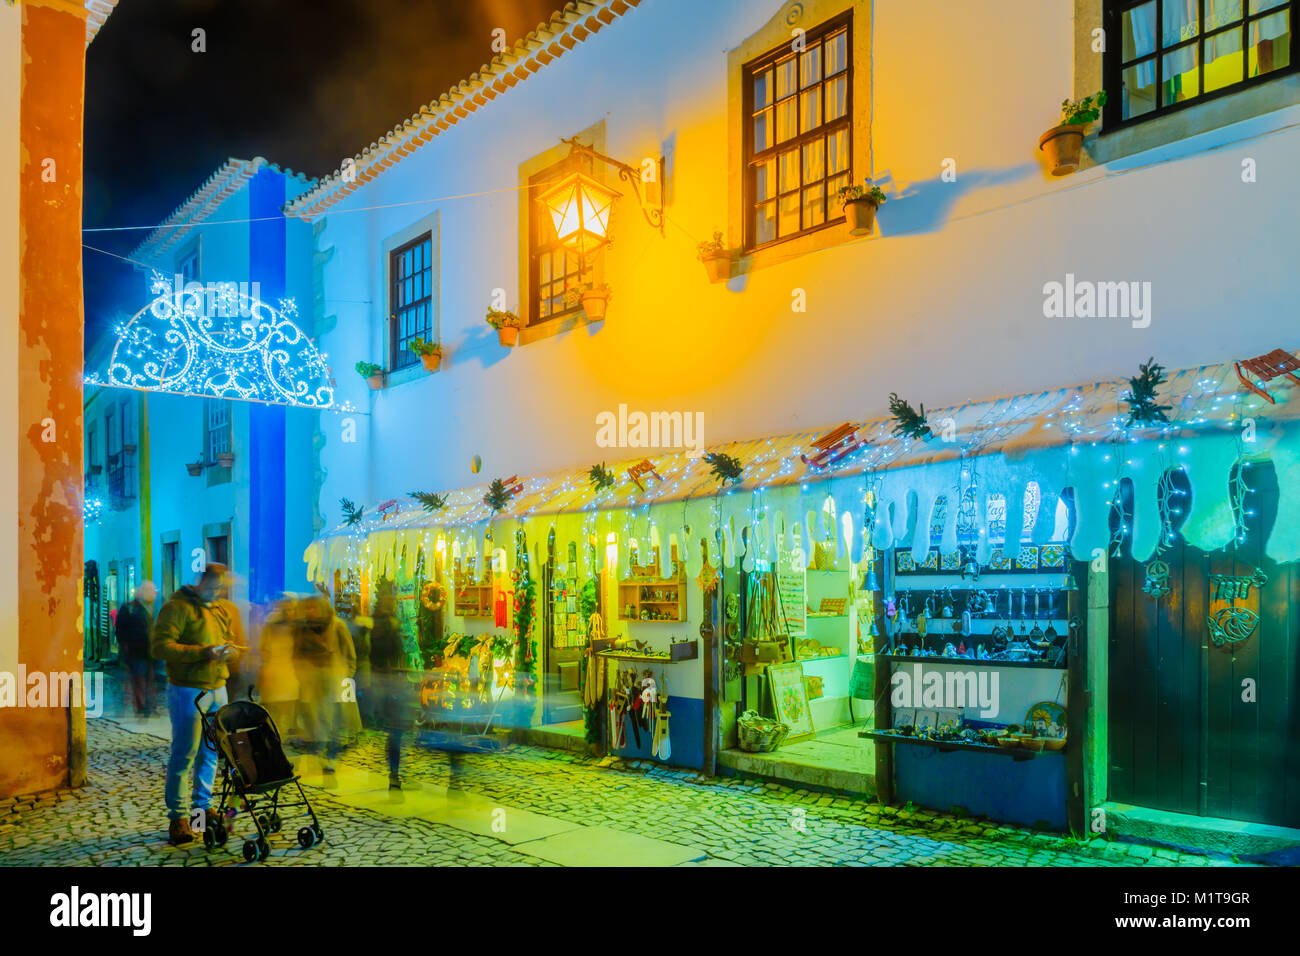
[580, 208]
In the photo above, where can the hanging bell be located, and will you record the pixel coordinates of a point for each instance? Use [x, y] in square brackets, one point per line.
[1070, 583]
[970, 570]
[869, 581]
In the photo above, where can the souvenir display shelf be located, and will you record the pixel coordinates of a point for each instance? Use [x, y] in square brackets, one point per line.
[943, 746]
[652, 600]
[967, 661]
[473, 600]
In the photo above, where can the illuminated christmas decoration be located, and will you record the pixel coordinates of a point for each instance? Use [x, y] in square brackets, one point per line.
[218, 341]
[92, 510]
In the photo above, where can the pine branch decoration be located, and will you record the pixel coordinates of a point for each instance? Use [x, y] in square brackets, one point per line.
[600, 477]
[725, 468]
[351, 513]
[498, 495]
[908, 422]
[1143, 409]
[432, 502]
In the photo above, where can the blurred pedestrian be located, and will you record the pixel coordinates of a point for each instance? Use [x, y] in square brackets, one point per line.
[323, 659]
[277, 680]
[134, 624]
[194, 636]
[393, 692]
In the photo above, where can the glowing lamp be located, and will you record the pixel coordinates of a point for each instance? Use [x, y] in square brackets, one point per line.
[580, 208]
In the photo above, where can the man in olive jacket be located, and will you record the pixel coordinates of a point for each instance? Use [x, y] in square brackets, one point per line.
[196, 637]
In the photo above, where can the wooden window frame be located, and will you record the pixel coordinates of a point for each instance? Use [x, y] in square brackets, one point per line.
[1114, 64]
[820, 132]
[401, 358]
[539, 223]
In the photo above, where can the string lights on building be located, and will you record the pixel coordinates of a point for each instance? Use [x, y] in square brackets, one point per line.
[218, 341]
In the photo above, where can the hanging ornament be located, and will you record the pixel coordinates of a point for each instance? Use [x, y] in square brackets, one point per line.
[1156, 584]
[708, 577]
[1231, 625]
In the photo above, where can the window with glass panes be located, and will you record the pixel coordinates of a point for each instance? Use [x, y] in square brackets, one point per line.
[410, 272]
[1170, 53]
[216, 429]
[552, 269]
[798, 137]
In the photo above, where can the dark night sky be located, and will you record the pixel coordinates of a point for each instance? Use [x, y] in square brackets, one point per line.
[302, 83]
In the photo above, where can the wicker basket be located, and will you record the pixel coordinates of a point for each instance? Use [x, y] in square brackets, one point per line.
[760, 735]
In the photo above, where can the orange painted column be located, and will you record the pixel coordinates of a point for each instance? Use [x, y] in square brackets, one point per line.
[42, 747]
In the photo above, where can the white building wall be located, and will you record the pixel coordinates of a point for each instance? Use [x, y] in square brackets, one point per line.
[943, 304]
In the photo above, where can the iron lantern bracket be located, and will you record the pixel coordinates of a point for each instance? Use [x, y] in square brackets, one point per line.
[654, 216]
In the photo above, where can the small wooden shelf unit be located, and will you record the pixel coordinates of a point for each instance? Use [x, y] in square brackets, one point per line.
[473, 600]
[671, 607]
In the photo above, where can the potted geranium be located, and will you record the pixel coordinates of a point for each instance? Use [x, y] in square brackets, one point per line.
[594, 297]
[716, 258]
[430, 353]
[860, 204]
[195, 468]
[1061, 145]
[507, 325]
[372, 373]
[226, 459]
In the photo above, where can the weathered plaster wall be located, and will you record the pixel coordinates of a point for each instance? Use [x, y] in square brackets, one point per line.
[45, 747]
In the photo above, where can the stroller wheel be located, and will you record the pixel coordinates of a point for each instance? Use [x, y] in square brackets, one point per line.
[219, 834]
[264, 823]
[276, 823]
[209, 837]
[320, 834]
[263, 849]
[306, 837]
[250, 851]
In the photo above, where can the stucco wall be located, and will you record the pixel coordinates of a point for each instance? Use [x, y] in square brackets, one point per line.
[943, 304]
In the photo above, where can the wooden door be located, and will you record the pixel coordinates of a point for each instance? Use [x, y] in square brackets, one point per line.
[1198, 727]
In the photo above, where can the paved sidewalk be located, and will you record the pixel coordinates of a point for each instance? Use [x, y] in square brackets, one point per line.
[526, 806]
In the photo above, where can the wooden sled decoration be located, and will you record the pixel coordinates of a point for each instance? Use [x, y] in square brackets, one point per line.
[388, 509]
[646, 467]
[834, 445]
[1265, 367]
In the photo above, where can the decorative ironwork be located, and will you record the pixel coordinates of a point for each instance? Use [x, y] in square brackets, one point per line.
[1157, 579]
[655, 217]
[1231, 625]
[1234, 588]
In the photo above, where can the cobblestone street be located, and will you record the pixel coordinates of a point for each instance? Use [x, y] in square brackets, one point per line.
[526, 806]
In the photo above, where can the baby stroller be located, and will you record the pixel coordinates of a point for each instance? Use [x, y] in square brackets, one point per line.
[254, 771]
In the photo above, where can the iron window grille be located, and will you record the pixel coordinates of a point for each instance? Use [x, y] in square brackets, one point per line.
[798, 135]
[410, 272]
[1165, 55]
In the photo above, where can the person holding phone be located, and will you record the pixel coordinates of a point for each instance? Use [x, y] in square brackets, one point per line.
[198, 640]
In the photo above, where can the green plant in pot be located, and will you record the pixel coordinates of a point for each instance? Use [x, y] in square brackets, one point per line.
[507, 325]
[430, 353]
[372, 373]
[1062, 145]
[860, 204]
[592, 296]
[716, 258]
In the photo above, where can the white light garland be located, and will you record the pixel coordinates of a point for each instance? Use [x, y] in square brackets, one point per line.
[221, 342]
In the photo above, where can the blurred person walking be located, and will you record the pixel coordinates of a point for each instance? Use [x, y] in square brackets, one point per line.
[194, 635]
[134, 625]
[394, 695]
[323, 658]
[277, 679]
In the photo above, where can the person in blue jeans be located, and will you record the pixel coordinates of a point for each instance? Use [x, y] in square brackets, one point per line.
[196, 638]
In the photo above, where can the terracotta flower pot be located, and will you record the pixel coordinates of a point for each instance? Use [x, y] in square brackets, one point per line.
[718, 267]
[594, 304]
[431, 360]
[226, 459]
[861, 216]
[508, 335]
[376, 381]
[1061, 145]
[195, 468]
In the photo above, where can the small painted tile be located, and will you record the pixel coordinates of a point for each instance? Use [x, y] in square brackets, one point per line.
[903, 561]
[1051, 556]
[952, 561]
[998, 560]
[1028, 558]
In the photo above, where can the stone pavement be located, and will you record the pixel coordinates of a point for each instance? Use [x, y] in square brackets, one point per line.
[526, 806]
